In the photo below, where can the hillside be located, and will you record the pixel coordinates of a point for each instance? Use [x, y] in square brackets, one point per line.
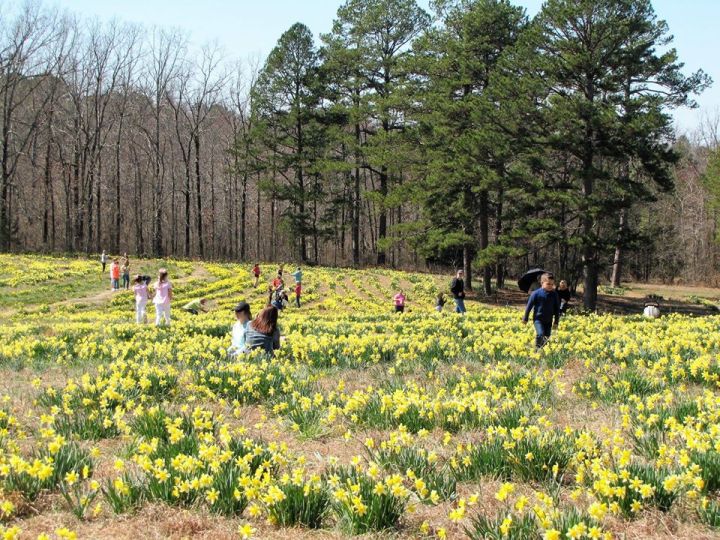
[417, 425]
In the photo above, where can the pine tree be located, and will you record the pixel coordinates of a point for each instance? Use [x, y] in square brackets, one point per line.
[467, 152]
[286, 98]
[607, 90]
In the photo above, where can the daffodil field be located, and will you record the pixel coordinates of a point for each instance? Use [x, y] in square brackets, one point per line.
[418, 425]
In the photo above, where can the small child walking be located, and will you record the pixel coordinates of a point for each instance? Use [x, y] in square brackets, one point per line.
[163, 296]
[440, 302]
[545, 305]
[115, 275]
[298, 292]
[141, 299]
[256, 273]
[399, 300]
[126, 275]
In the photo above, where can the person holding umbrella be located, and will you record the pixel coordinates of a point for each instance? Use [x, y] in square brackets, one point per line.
[545, 305]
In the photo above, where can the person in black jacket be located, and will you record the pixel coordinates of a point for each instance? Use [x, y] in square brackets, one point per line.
[457, 288]
[564, 295]
[545, 305]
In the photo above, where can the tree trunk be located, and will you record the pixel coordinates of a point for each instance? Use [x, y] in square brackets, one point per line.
[617, 261]
[485, 239]
[198, 187]
[382, 219]
[499, 266]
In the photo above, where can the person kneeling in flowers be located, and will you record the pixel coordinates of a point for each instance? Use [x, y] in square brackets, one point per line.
[263, 332]
[545, 305]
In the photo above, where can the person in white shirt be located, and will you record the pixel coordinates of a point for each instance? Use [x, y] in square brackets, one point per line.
[243, 316]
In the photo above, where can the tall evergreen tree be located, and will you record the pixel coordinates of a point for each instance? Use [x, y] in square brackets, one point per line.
[467, 153]
[607, 90]
[285, 100]
[379, 32]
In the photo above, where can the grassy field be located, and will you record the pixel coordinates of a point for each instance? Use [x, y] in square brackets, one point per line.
[420, 425]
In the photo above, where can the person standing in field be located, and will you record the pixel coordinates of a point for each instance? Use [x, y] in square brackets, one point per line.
[457, 289]
[115, 275]
[126, 275]
[242, 317]
[163, 298]
[297, 274]
[103, 260]
[399, 300]
[298, 292]
[140, 289]
[256, 273]
[545, 305]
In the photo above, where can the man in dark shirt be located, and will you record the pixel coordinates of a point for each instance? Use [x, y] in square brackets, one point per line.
[545, 305]
[457, 288]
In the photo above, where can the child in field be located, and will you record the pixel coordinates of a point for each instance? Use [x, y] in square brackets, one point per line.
[103, 260]
[545, 306]
[195, 306]
[163, 296]
[126, 275]
[243, 317]
[256, 273]
[440, 302]
[297, 274]
[298, 292]
[141, 299]
[399, 300]
[563, 295]
[115, 275]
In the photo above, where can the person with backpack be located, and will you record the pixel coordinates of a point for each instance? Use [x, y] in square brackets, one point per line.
[457, 289]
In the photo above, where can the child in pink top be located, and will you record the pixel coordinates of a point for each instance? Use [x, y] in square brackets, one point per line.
[399, 302]
[163, 296]
[141, 299]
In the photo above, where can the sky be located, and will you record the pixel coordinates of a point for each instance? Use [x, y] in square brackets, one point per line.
[250, 28]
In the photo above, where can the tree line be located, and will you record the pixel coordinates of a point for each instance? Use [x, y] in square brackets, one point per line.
[471, 136]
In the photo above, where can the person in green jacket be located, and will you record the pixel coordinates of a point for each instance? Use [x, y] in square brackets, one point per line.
[195, 306]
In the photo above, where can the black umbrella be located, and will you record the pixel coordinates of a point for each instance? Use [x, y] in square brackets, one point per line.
[529, 277]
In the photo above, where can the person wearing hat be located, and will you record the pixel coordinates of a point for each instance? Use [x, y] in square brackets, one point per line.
[243, 316]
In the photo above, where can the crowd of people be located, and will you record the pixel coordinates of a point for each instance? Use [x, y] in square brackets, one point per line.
[547, 303]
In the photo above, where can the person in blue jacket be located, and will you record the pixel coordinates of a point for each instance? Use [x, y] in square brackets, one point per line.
[545, 304]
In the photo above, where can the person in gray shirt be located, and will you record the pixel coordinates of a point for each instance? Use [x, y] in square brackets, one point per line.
[263, 332]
